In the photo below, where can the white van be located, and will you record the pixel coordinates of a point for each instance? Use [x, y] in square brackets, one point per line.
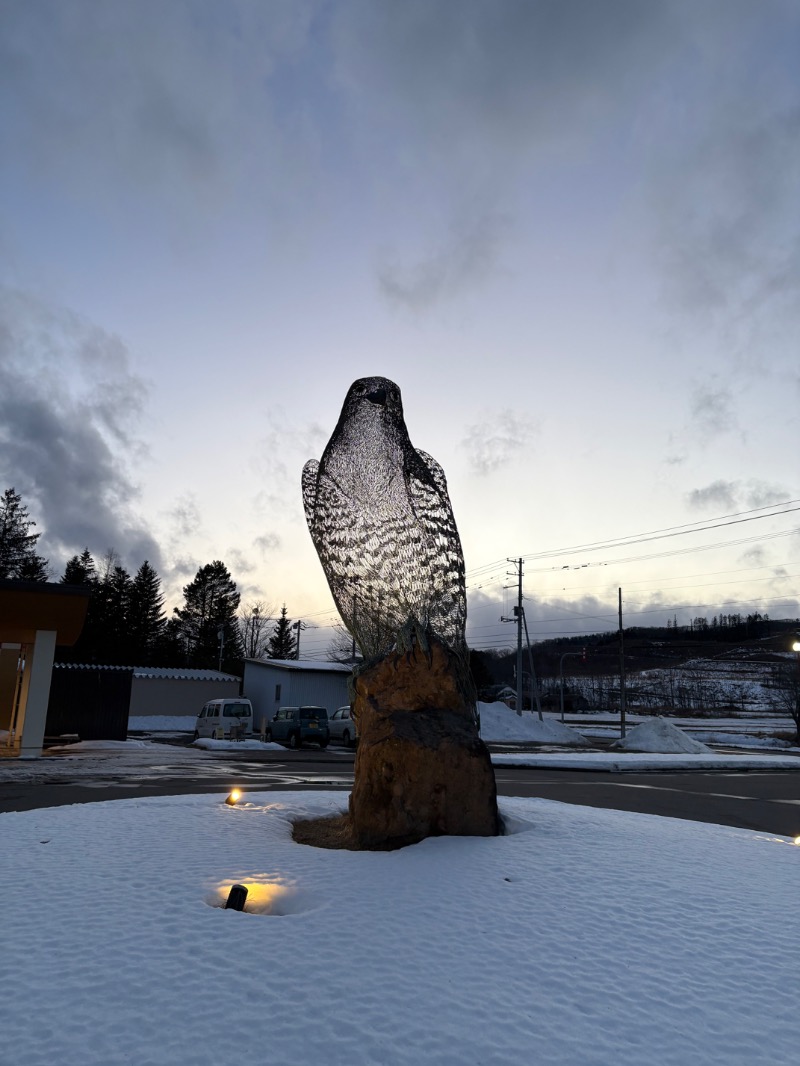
[223, 714]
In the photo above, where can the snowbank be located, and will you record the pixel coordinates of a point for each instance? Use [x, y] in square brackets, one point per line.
[659, 735]
[500, 723]
[235, 745]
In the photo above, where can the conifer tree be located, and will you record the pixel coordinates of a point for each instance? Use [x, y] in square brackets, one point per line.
[208, 619]
[80, 570]
[283, 643]
[18, 557]
[146, 619]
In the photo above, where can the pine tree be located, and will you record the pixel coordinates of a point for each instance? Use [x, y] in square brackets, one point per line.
[208, 618]
[283, 643]
[18, 557]
[108, 612]
[146, 620]
[80, 570]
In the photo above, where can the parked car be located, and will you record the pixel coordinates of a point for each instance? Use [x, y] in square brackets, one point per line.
[295, 725]
[342, 726]
[227, 714]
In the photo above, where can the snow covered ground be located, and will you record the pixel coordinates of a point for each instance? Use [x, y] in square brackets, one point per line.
[582, 936]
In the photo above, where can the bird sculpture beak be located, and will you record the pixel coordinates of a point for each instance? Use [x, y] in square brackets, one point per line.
[378, 397]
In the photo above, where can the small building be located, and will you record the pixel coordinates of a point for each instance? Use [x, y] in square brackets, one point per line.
[96, 702]
[35, 618]
[160, 690]
[273, 683]
[89, 702]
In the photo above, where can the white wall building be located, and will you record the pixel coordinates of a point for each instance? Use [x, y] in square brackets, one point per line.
[273, 683]
[162, 691]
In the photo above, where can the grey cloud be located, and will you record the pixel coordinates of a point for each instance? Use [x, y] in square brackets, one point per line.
[267, 543]
[183, 567]
[755, 556]
[473, 72]
[240, 563]
[719, 495]
[764, 494]
[148, 94]
[752, 494]
[734, 233]
[66, 430]
[712, 412]
[277, 463]
[184, 517]
[465, 258]
[497, 440]
[723, 193]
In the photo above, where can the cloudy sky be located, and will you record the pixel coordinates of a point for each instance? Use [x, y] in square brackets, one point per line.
[568, 229]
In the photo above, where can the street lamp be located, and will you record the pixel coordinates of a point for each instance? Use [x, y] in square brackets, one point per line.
[566, 655]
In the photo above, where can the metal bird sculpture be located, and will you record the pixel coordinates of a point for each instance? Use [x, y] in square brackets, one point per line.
[380, 518]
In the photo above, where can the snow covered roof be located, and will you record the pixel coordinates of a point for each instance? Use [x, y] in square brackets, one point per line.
[303, 664]
[182, 674]
[175, 673]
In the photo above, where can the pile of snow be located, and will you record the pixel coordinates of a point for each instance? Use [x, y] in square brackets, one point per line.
[745, 740]
[659, 735]
[235, 745]
[500, 723]
[99, 745]
[533, 952]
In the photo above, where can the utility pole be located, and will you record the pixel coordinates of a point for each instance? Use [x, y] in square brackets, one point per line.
[518, 616]
[299, 625]
[621, 673]
[534, 683]
[518, 613]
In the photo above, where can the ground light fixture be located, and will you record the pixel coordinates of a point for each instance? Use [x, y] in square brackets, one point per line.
[237, 897]
[234, 797]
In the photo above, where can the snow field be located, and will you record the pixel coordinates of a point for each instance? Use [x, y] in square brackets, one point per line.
[582, 936]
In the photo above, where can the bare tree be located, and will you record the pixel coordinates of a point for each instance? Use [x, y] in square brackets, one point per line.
[785, 683]
[342, 648]
[254, 620]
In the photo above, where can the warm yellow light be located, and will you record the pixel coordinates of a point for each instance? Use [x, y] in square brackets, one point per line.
[262, 897]
[797, 841]
[796, 646]
[234, 797]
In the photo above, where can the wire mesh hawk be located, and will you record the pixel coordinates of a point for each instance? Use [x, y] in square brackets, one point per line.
[381, 521]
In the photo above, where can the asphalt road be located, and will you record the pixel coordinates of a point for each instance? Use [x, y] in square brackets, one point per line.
[761, 801]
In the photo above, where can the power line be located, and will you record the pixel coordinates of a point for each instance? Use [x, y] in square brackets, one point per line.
[665, 532]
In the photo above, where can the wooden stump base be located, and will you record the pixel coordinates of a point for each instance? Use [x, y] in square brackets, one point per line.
[421, 768]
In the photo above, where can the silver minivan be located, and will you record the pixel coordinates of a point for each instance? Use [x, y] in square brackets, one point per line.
[227, 714]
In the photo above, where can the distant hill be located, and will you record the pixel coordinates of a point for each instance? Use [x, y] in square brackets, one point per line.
[715, 670]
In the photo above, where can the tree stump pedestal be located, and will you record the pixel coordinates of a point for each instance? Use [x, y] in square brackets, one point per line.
[421, 768]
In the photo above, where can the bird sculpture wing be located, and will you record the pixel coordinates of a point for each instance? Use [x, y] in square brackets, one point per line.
[441, 558]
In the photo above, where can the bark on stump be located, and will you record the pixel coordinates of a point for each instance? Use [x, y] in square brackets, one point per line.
[421, 768]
